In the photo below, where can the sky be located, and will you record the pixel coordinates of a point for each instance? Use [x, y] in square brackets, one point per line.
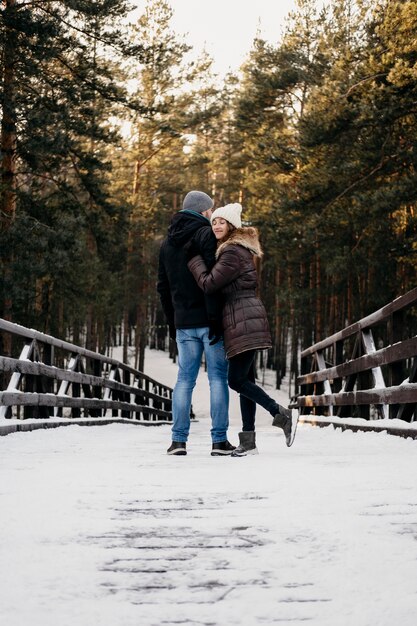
[99, 526]
[226, 28]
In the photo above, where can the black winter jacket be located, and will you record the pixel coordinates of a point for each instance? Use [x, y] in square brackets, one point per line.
[183, 302]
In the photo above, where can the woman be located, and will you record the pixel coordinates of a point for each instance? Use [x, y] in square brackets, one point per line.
[245, 323]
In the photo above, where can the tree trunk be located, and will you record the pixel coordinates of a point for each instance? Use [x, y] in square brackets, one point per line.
[125, 335]
[8, 162]
[91, 319]
[8, 124]
[318, 301]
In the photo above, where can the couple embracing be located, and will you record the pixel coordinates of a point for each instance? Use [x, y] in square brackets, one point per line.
[207, 284]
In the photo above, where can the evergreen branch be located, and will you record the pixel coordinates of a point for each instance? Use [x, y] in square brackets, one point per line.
[358, 182]
[74, 156]
[293, 94]
[95, 86]
[361, 236]
[140, 164]
[161, 147]
[42, 225]
[7, 217]
[364, 80]
[59, 185]
[87, 33]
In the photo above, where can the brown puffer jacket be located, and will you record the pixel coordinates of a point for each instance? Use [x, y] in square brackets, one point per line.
[245, 322]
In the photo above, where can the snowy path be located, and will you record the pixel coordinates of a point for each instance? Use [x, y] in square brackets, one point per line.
[100, 526]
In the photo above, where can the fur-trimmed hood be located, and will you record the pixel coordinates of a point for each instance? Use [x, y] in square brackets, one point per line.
[247, 237]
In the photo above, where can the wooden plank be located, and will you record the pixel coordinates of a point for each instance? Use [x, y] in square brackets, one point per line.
[407, 411]
[112, 377]
[374, 427]
[16, 329]
[126, 396]
[350, 381]
[32, 383]
[69, 376]
[6, 429]
[369, 344]
[370, 320]
[65, 382]
[400, 351]
[321, 364]
[401, 394]
[377, 376]
[38, 399]
[16, 376]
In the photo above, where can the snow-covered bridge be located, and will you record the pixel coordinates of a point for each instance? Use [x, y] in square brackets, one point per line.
[100, 526]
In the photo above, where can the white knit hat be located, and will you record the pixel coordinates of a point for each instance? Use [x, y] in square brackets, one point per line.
[229, 212]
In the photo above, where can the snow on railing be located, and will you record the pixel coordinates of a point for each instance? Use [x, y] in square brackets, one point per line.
[345, 375]
[54, 378]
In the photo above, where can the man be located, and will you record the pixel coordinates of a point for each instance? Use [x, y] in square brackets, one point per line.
[195, 322]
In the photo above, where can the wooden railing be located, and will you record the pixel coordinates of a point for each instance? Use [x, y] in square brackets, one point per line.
[368, 369]
[54, 378]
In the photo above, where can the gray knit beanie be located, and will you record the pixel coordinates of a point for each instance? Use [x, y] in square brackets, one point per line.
[197, 201]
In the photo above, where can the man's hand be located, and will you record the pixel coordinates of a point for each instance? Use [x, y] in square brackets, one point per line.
[215, 331]
[172, 332]
[191, 250]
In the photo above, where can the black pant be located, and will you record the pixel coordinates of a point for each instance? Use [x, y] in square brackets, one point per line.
[241, 378]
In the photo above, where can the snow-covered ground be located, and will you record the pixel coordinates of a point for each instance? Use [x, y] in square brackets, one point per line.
[100, 526]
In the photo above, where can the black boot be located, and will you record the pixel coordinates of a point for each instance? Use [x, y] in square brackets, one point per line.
[247, 444]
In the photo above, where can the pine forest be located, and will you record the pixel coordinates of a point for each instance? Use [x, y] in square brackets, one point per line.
[106, 124]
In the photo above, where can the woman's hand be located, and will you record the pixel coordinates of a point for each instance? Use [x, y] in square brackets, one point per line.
[215, 331]
[191, 250]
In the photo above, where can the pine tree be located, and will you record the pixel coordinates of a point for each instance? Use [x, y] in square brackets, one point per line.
[274, 91]
[166, 87]
[355, 161]
[58, 92]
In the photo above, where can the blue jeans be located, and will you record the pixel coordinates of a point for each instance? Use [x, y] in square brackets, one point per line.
[192, 342]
